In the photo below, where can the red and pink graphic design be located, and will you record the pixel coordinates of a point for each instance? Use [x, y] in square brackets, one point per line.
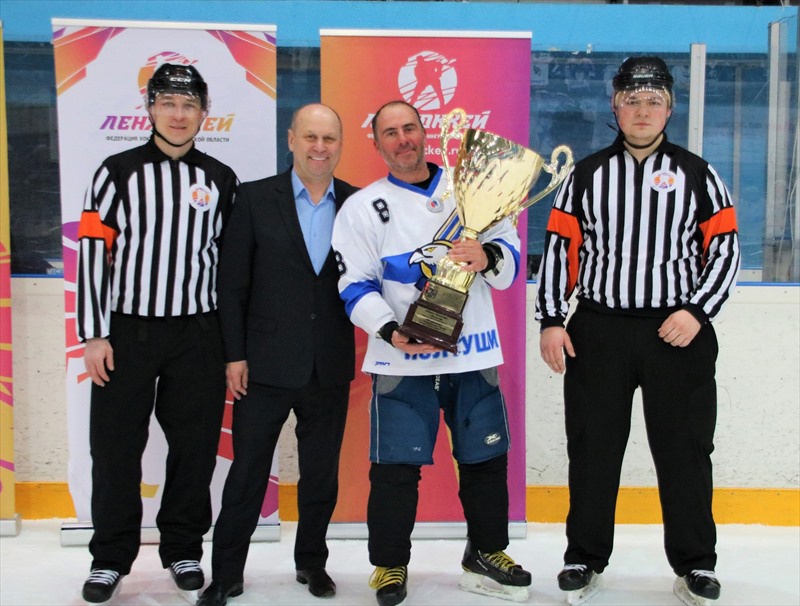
[488, 75]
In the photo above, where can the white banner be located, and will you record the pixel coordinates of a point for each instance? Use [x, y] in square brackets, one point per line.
[102, 69]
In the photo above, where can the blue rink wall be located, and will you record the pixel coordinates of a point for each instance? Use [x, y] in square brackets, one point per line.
[558, 27]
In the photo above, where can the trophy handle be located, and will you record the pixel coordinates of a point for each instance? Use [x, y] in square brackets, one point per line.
[557, 176]
[452, 126]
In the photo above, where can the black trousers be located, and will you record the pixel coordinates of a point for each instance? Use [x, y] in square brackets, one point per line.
[258, 417]
[614, 356]
[392, 508]
[175, 367]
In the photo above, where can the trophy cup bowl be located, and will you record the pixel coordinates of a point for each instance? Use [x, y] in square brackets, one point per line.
[491, 182]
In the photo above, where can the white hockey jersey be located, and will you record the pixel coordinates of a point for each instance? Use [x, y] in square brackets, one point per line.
[388, 238]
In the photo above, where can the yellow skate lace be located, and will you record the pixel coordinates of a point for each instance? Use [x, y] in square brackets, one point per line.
[383, 576]
[500, 560]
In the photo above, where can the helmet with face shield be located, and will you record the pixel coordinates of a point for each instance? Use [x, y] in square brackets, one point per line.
[178, 80]
[642, 75]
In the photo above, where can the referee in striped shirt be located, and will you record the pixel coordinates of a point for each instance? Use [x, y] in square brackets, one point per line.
[146, 309]
[644, 234]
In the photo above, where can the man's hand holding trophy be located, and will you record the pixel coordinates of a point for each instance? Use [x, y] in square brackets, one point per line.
[491, 182]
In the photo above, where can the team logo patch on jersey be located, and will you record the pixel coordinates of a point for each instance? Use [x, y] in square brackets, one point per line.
[663, 180]
[200, 197]
[434, 205]
[428, 255]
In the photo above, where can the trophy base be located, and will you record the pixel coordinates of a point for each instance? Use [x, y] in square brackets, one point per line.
[433, 325]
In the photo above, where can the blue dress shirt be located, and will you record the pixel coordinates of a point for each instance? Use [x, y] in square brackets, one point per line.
[316, 220]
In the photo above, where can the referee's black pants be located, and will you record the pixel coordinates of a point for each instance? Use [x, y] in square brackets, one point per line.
[174, 366]
[321, 413]
[615, 355]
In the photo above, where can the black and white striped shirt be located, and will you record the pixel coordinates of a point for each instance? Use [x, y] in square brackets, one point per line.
[639, 238]
[148, 237]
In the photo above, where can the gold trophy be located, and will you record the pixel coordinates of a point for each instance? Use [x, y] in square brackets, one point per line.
[491, 181]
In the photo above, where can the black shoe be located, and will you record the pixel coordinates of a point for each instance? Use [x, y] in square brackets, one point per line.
[318, 581]
[218, 592]
[497, 566]
[574, 577]
[390, 584]
[703, 583]
[101, 585]
[187, 574]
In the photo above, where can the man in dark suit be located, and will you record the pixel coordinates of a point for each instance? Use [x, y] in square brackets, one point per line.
[289, 346]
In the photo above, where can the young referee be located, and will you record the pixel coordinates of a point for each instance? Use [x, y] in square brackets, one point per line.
[644, 234]
[146, 310]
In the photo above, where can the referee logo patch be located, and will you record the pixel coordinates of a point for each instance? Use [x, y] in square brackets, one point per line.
[663, 180]
[200, 197]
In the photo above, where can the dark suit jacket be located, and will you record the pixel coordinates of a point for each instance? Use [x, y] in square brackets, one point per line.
[275, 311]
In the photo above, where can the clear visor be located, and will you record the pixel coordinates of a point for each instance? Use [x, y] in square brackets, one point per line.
[178, 94]
[643, 96]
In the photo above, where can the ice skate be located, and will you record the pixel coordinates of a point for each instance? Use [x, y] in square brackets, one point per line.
[101, 586]
[578, 582]
[390, 584]
[188, 577]
[494, 574]
[697, 587]
[187, 574]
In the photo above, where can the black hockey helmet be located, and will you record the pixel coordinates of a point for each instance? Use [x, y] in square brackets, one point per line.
[642, 75]
[178, 79]
[643, 72]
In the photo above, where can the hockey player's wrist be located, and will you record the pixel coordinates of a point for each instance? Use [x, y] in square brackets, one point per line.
[494, 258]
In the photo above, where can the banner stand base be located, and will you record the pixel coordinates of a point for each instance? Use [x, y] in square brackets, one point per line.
[80, 533]
[422, 530]
[11, 527]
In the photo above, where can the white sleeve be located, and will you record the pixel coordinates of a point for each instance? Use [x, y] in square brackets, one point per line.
[355, 242]
[504, 235]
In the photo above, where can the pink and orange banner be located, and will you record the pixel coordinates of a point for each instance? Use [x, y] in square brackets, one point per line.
[7, 493]
[102, 69]
[488, 75]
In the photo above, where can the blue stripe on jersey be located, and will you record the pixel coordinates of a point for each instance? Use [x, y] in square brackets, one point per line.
[355, 291]
[398, 268]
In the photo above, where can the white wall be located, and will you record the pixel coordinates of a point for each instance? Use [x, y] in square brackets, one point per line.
[758, 429]
[757, 442]
[40, 397]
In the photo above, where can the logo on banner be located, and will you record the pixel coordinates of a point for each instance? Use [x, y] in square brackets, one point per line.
[428, 80]
[132, 124]
[663, 180]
